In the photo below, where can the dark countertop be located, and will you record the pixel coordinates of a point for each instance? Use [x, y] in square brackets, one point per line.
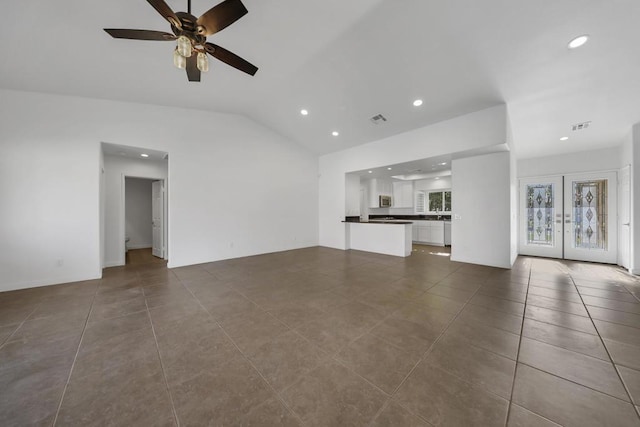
[378, 221]
[395, 218]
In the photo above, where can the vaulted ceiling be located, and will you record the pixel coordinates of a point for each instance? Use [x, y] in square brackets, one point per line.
[346, 61]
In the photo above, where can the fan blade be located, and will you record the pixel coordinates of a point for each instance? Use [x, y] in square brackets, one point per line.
[230, 58]
[193, 73]
[164, 10]
[139, 34]
[221, 16]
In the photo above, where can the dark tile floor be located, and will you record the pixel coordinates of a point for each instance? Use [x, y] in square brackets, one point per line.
[322, 337]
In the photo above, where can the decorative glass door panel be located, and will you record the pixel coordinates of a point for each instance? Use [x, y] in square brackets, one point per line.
[590, 214]
[590, 217]
[540, 211]
[541, 216]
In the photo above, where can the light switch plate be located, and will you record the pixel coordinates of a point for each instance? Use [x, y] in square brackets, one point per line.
[456, 216]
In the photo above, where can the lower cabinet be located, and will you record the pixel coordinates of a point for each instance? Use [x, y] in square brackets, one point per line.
[428, 232]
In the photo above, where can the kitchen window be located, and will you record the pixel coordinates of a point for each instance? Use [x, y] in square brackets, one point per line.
[439, 201]
[433, 202]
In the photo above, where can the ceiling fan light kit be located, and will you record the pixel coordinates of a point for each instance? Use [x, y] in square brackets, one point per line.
[190, 34]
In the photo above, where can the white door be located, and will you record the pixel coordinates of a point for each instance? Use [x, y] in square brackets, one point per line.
[624, 232]
[541, 216]
[157, 205]
[590, 219]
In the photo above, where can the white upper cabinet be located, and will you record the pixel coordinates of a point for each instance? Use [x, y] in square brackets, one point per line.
[402, 194]
[379, 187]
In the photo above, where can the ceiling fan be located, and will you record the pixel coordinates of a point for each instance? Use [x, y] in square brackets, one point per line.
[191, 35]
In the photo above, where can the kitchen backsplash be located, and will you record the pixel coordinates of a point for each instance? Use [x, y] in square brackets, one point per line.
[391, 211]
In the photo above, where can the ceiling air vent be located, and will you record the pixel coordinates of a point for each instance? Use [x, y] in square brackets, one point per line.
[377, 119]
[580, 126]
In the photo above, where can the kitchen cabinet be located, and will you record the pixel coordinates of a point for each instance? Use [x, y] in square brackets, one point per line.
[379, 187]
[402, 194]
[429, 232]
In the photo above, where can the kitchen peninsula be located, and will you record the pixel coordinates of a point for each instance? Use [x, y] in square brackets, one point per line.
[380, 236]
[395, 235]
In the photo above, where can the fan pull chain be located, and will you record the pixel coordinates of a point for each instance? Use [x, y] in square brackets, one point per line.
[189, 7]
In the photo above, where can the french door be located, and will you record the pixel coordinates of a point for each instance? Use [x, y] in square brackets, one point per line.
[571, 216]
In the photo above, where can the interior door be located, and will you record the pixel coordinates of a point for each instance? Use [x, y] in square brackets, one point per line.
[590, 217]
[541, 216]
[624, 231]
[157, 213]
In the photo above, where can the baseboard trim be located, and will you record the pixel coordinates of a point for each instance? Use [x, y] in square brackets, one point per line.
[113, 264]
[39, 283]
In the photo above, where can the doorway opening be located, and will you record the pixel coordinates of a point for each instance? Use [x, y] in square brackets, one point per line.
[571, 216]
[144, 220]
[133, 181]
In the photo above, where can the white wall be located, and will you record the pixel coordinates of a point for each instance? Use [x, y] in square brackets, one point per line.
[635, 199]
[474, 131]
[116, 168]
[444, 183]
[514, 188]
[583, 161]
[236, 188]
[481, 210]
[138, 216]
[352, 195]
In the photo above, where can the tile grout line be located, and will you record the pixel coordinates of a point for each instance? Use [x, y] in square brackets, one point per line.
[6, 340]
[332, 356]
[515, 371]
[615, 367]
[280, 398]
[164, 373]
[420, 358]
[75, 357]
[430, 348]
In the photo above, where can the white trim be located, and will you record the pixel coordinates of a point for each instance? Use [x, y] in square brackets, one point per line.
[113, 264]
[31, 284]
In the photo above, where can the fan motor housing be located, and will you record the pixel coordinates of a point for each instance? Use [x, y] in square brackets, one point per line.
[189, 28]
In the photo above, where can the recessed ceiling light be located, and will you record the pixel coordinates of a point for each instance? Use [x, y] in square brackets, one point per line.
[335, 133]
[417, 102]
[388, 169]
[578, 41]
[370, 171]
[564, 138]
[144, 155]
[437, 177]
[304, 112]
[442, 164]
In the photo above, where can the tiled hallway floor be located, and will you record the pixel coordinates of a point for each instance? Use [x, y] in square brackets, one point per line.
[322, 337]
